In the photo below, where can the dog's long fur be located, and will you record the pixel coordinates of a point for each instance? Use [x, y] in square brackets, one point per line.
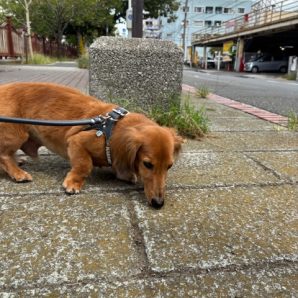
[136, 143]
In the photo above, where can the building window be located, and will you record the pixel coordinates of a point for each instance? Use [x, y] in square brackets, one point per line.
[185, 9]
[199, 9]
[241, 10]
[217, 23]
[149, 23]
[209, 9]
[218, 10]
[228, 10]
[208, 23]
[198, 23]
[169, 35]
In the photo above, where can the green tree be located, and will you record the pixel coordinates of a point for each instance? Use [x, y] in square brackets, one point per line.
[79, 20]
[164, 8]
[93, 18]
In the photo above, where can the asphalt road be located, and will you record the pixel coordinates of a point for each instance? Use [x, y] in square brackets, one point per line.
[266, 91]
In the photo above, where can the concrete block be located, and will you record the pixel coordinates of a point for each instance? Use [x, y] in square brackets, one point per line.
[144, 71]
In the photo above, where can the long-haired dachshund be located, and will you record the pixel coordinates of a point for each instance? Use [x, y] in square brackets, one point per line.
[138, 147]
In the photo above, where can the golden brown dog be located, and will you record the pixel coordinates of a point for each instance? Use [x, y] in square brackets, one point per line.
[139, 147]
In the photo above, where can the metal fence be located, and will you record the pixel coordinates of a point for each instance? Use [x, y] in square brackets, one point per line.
[13, 44]
[260, 16]
[11, 41]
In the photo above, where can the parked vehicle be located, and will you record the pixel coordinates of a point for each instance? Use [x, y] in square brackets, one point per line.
[210, 62]
[267, 63]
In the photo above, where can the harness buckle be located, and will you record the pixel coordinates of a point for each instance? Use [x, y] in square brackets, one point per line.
[99, 133]
[122, 112]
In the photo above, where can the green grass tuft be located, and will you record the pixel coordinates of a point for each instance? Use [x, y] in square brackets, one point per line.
[41, 59]
[187, 120]
[293, 121]
[202, 92]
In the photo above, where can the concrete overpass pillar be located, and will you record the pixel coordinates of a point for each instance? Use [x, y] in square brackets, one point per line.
[205, 57]
[193, 49]
[239, 55]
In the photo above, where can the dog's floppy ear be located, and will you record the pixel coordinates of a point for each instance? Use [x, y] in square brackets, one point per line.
[178, 141]
[125, 148]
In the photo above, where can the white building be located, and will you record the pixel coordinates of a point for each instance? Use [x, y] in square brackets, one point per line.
[201, 14]
[151, 28]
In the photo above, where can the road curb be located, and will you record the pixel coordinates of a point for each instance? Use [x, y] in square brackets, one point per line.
[260, 113]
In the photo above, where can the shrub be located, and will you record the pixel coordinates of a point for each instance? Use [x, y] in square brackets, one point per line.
[83, 61]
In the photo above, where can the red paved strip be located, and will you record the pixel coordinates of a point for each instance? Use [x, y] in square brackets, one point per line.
[262, 114]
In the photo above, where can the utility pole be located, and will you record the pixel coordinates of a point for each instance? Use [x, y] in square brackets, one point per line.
[184, 28]
[129, 19]
[137, 18]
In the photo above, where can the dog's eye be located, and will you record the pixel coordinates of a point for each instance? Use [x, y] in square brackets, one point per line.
[148, 165]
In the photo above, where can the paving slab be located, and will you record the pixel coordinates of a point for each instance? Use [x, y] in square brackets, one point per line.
[239, 124]
[248, 141]
[278, 282]
[64, 75]
[226, 119]
[283, 163]
[49, 240]
[216, 110]
[216, 169]
[48, 173]
[219, 228]
[192, 169]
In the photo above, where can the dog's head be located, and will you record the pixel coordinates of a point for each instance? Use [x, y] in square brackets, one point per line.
[147, 152]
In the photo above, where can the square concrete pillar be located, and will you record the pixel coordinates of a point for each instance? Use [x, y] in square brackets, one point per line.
[147, 72]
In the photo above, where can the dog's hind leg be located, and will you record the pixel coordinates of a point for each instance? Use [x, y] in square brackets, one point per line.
[12, 139]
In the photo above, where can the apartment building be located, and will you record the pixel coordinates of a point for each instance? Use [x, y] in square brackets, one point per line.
[201, 14]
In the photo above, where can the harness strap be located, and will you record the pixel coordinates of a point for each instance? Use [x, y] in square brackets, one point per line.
[105, 124]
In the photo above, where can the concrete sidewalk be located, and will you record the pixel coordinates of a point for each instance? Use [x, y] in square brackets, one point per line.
[228, 227]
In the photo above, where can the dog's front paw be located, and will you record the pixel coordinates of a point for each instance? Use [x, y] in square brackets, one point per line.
[22, 177]
[72, 187]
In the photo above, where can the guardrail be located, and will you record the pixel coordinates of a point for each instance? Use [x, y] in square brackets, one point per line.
[259, 17]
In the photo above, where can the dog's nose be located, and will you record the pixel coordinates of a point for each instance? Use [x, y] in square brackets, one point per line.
[157, 203]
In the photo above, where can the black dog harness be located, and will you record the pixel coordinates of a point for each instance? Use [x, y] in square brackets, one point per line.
[104, 125]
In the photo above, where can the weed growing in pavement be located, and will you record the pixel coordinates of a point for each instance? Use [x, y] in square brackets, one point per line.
[202, 92]
[185, 118]
[293, 121]
[290, 77]
[188, 121]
